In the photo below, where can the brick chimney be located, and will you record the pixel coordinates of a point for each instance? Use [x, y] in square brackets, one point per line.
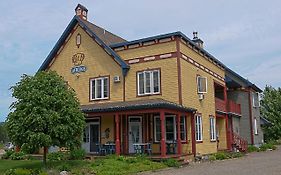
[197, 40]
[81, 11]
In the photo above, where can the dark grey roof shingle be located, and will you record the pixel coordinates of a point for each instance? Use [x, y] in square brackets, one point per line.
[135, 105]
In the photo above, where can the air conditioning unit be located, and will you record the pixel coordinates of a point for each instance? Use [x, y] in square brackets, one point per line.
[201, 96]
[116, 79]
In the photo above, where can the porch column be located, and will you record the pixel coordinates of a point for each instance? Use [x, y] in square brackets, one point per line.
[228, 132]
[163, 133]
[193, 144]
[117, 132]
[178, 133]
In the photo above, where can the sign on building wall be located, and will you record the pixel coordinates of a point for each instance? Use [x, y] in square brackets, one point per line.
[77, 61]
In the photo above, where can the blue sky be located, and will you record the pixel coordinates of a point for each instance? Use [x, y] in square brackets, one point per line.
[245, 35]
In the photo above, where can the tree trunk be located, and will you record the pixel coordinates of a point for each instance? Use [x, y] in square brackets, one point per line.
[45, 157]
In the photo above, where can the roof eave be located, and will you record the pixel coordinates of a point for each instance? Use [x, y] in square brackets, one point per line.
[125, 67]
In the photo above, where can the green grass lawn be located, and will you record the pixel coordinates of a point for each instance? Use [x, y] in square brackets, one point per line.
[70, 165]
[103, 166]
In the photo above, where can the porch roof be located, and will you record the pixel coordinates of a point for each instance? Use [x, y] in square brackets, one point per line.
[135, 105]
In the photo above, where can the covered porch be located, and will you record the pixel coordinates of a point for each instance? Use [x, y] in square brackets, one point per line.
[154, 126]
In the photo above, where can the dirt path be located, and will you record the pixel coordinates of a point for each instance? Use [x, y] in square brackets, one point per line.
[262, 163]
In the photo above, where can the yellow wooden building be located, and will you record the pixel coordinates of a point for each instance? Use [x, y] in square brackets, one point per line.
[156, 94]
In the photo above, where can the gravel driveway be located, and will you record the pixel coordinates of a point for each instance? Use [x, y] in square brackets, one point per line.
[262, 163]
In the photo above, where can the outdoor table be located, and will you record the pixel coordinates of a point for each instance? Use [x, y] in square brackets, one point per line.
[140, 147]
[110, 147]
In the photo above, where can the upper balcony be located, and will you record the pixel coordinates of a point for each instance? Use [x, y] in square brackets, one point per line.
[234, 107]
[223, 105]
[231, 106]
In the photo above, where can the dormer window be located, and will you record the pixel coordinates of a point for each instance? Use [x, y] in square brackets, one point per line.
[78, 40]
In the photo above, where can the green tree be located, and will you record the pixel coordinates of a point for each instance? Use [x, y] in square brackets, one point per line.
[46, 113]
[3, 133]
[271, 110]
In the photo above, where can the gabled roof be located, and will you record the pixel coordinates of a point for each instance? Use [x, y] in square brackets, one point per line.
[107, 37]
[135, 105]
[90, 29]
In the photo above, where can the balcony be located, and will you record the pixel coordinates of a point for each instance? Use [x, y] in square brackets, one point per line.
[234, 107]
[231, 106]
[220, 105]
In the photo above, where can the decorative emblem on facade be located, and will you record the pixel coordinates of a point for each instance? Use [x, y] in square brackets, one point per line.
[77, 60]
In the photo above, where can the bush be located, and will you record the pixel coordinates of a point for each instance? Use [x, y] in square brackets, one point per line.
[57, 156]
[212, 158]
[23, 171]
[18, 156]
[77, 154]
[236, 155]
[8, 154]
[221, 156]
[267, 146]
[252, 148]
[64, 167]
[171, 163]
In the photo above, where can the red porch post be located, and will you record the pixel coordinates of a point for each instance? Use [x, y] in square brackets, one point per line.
[117, 132]
[228, 132]
[163, 139]
[193, 144]
[178, 133]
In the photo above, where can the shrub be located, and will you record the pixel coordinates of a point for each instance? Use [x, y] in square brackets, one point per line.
[267, 146]
[252, 148]
[212, 158]
[221, 156]
[8, 154]
[77, 154]
[18, 156]
[235, 155]
[57, 156]
[64, 167]
[171, 163]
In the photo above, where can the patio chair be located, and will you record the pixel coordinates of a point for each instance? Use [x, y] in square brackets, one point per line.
[111, 147]
[102, 149]
[149, 148]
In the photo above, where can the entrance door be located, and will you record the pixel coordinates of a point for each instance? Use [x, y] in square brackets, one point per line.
[94, 137]
[135, 132]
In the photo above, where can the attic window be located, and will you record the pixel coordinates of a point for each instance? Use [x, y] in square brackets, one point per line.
[78, 40]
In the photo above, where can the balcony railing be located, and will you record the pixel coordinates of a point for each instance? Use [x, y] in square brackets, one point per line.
[231, 106]
[234, 107]
[220, 105]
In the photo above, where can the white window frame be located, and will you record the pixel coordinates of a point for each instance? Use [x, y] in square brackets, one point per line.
[151, 82]
[175, 128]
[198, 128]
[256, 94]
[102, 88]
[198, 87]
[255, 127]
[213, 128]
[184, 128]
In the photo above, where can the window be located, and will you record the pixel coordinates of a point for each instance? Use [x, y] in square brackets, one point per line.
[86, 134]
[99, 88]
[212, 128]
[255, 126]
[170, 129]
[201, 84]
[183, 128]
[148, 82]
[256, 99]
[198, 128]
[78, 40]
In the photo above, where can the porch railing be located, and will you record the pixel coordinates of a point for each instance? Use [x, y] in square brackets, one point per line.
[240, 143]
[220, 104]
[234, 107]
